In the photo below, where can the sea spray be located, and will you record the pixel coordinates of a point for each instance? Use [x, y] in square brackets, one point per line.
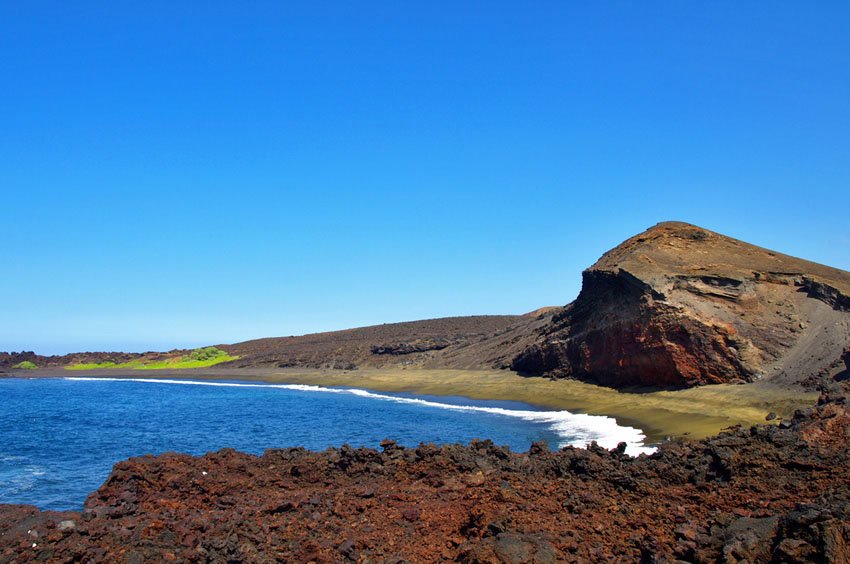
[574, 429]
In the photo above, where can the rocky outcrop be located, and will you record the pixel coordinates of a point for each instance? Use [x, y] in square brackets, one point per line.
[771, 493]
[11, 359]
[680, 306]
[397, 349]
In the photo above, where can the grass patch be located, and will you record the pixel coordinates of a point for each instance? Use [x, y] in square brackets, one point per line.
[91, 366]
[198, 358]
[26, 365]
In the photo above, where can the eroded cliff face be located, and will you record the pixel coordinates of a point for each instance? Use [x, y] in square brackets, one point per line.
[620, 332]
[682, 306]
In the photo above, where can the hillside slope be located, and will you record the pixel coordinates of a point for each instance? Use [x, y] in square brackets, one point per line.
[679, 305]
[471, 342]
[675, 306]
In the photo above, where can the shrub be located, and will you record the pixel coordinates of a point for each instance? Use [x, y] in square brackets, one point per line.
[206, 353]
[26, 365]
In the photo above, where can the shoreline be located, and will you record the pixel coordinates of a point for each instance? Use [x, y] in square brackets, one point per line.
[693, 413]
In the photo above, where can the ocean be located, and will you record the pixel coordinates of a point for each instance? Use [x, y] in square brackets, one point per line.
[60, 437]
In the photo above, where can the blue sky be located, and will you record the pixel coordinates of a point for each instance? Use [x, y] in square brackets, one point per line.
[178, 174]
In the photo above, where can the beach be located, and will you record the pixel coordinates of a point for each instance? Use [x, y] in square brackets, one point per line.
[661, 414]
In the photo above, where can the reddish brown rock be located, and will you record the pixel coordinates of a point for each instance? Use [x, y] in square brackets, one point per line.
[681, 306]
[769, 493]
[675, 306]
[11, 359]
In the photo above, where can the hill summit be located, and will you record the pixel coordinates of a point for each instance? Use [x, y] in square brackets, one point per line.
[679, 305]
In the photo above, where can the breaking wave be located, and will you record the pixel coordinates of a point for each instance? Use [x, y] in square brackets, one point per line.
[574, 429]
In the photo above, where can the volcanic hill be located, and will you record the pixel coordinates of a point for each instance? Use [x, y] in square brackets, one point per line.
[679, 305]
[675, 306]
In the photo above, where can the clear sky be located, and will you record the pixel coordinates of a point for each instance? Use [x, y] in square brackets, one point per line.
[175, 174]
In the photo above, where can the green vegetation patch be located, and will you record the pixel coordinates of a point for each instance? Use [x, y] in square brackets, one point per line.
[91, 365]
[26, 365]
[198, 358]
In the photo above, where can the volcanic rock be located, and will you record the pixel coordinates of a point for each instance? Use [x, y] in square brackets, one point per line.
[680, 306]
[409, 348]
[675, 306]
[473, 342]
[763, 494]
[10, 359]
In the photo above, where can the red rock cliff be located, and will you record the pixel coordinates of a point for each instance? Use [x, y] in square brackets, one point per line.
[679, 305]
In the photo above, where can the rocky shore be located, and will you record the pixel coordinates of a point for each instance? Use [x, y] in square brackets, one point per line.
[677, 306]
[767, 493]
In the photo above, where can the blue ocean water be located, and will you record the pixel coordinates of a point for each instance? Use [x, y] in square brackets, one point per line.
[60, 437]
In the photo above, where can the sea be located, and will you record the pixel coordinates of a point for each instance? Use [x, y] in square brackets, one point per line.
[59, 437]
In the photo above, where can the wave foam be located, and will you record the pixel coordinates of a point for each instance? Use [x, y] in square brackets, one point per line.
[575, 429]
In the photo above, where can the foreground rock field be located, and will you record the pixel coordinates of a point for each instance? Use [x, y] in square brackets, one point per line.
[766, 493]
